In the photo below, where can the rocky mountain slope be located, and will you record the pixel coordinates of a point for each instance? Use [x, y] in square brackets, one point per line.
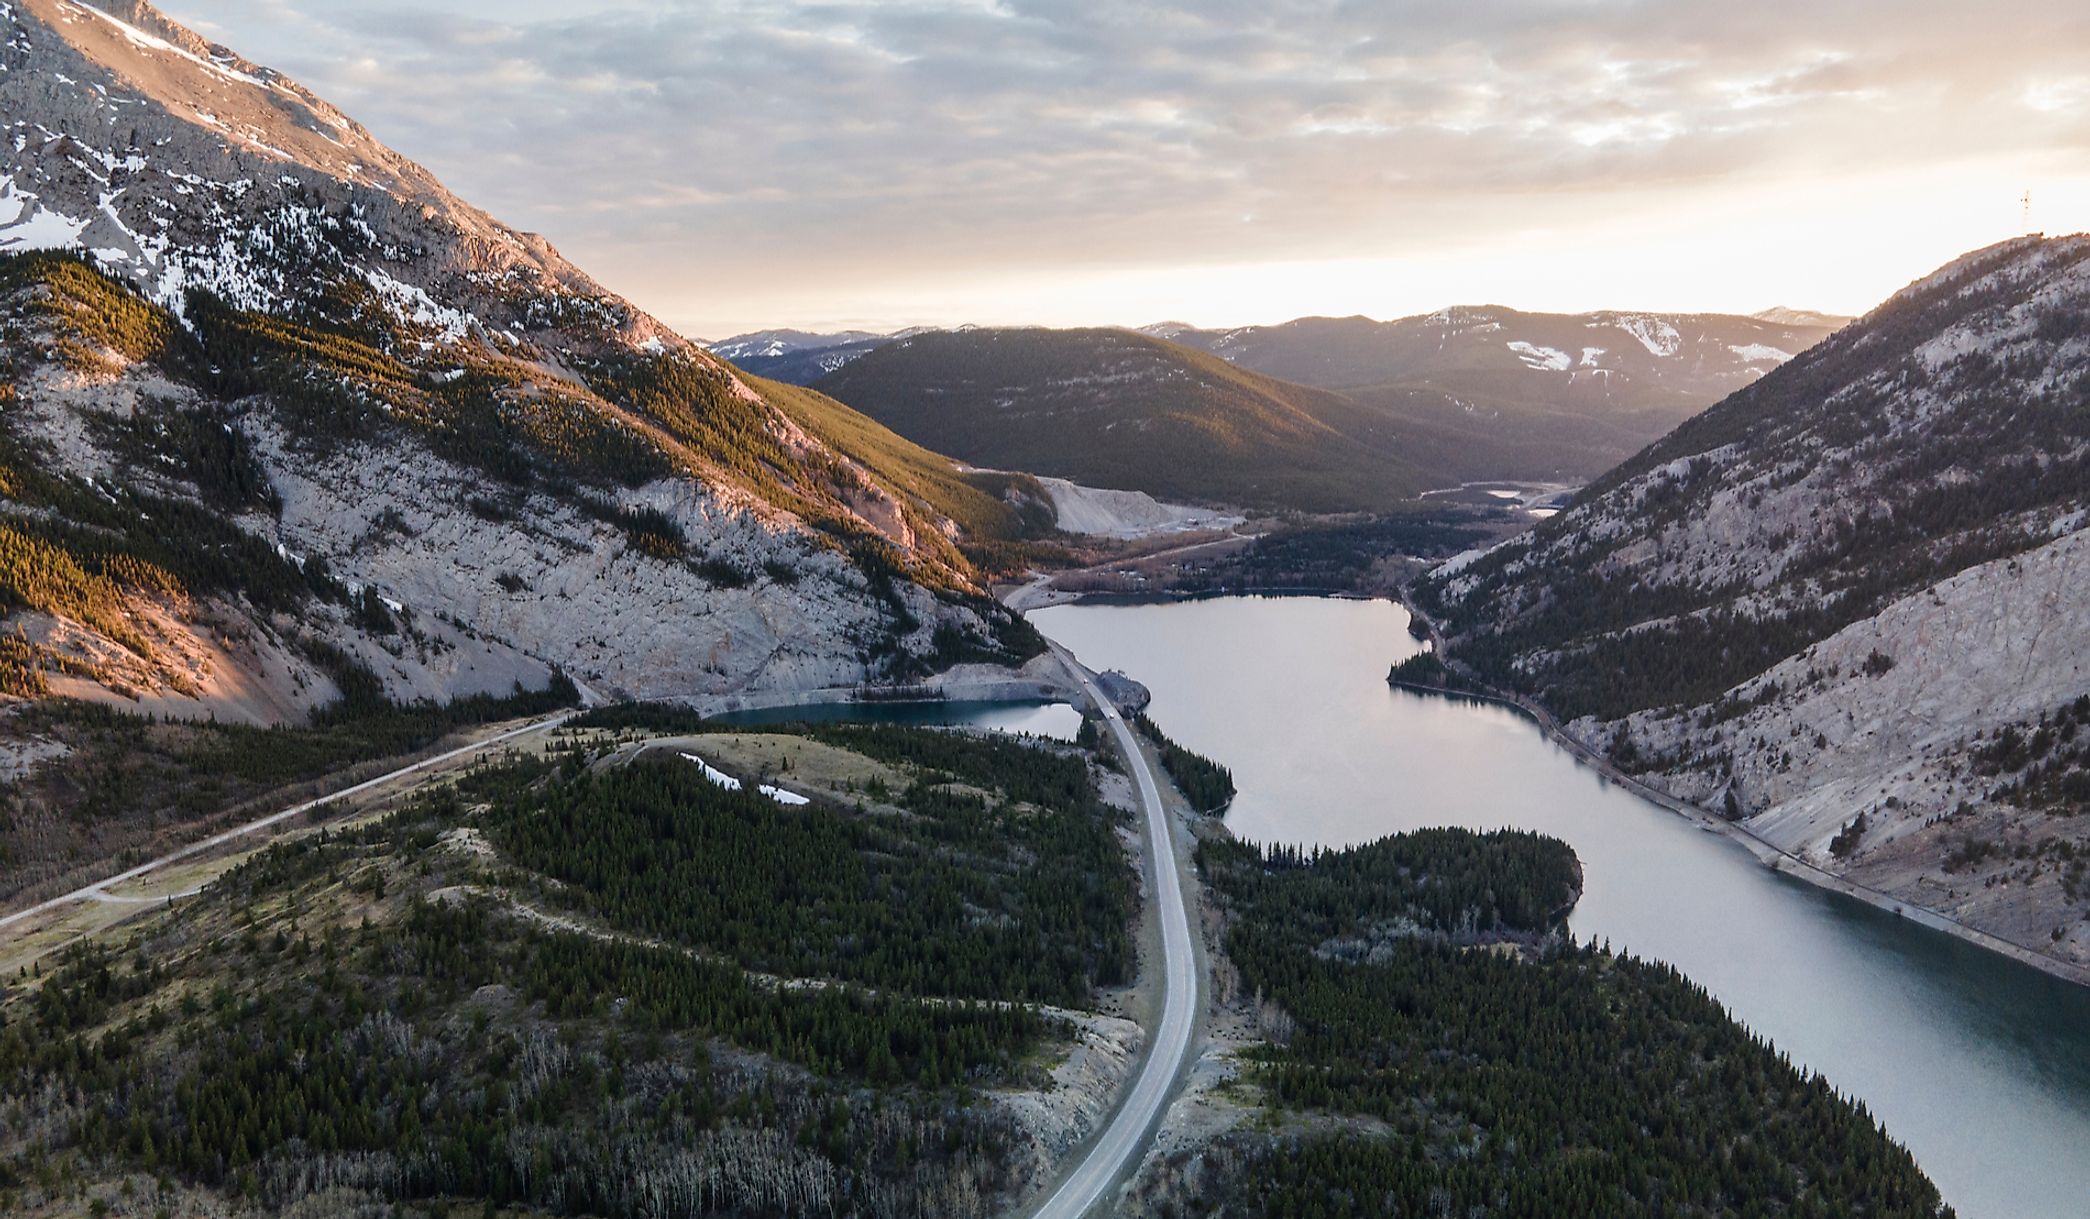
[279, 407]
[1846, 605]
[1118, 409]
[1529, 395]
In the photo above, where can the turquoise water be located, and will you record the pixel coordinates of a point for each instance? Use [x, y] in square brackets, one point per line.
[1981, 1066]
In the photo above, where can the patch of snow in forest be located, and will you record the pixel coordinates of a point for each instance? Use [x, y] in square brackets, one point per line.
[713, 773]
[414, 305]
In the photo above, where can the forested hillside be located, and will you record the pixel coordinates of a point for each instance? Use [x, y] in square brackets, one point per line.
[1828, 605]
[1114, 408]
[598, 983]
[1438, 1046]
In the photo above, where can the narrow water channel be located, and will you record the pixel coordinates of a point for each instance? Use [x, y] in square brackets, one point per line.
[1981, 1066]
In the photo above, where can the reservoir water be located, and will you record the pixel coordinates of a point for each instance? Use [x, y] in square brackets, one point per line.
[1057, 720]
[1981, 1066]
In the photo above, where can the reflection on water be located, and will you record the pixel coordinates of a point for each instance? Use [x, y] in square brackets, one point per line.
[1980, 1065]
[1057, 720]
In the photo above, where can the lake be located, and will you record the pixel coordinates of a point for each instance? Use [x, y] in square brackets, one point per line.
[1981, 1066]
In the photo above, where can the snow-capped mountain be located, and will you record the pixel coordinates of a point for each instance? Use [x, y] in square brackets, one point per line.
[802, 357]
[439, 409]
[769, 344]
[1850, 604]
[176, 164]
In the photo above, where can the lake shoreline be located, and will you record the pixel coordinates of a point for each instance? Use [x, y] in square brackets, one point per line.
[1771, 856]
[1956, 1047]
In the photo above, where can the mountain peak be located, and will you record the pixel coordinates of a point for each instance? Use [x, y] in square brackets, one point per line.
[1780, 315]
[177, 164]
[2017, 259]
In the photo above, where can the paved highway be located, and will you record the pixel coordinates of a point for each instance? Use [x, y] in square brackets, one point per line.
[1122, 1142]
[98, 891]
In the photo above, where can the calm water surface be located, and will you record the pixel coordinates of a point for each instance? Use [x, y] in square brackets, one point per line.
[1981, 1066]
[1058, 720]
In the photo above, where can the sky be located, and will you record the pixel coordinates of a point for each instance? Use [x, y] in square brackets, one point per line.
[823, 164]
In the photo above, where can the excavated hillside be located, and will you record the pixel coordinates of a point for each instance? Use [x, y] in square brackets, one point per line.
[1849, 606]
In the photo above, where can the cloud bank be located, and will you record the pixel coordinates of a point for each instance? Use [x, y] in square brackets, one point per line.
[769, 161]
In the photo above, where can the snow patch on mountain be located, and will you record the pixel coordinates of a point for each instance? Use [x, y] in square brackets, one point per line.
[713, 773]
[1659, 337]
[25, 224]
[1549, 359]
[151, 42]
[414, 305]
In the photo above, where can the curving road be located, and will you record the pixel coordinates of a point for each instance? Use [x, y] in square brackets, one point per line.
[1120, 1145]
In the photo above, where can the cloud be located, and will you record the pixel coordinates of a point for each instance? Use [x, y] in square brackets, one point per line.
[718, 141]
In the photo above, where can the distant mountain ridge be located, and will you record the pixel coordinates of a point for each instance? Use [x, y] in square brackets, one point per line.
[802, 357]
[1352, 352]
[1457, 395]
[1357, 351]
[1555, 397]
[1117, 409]
[774, 344]
[1846, 604]
[439, 410]
[1782, 316]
